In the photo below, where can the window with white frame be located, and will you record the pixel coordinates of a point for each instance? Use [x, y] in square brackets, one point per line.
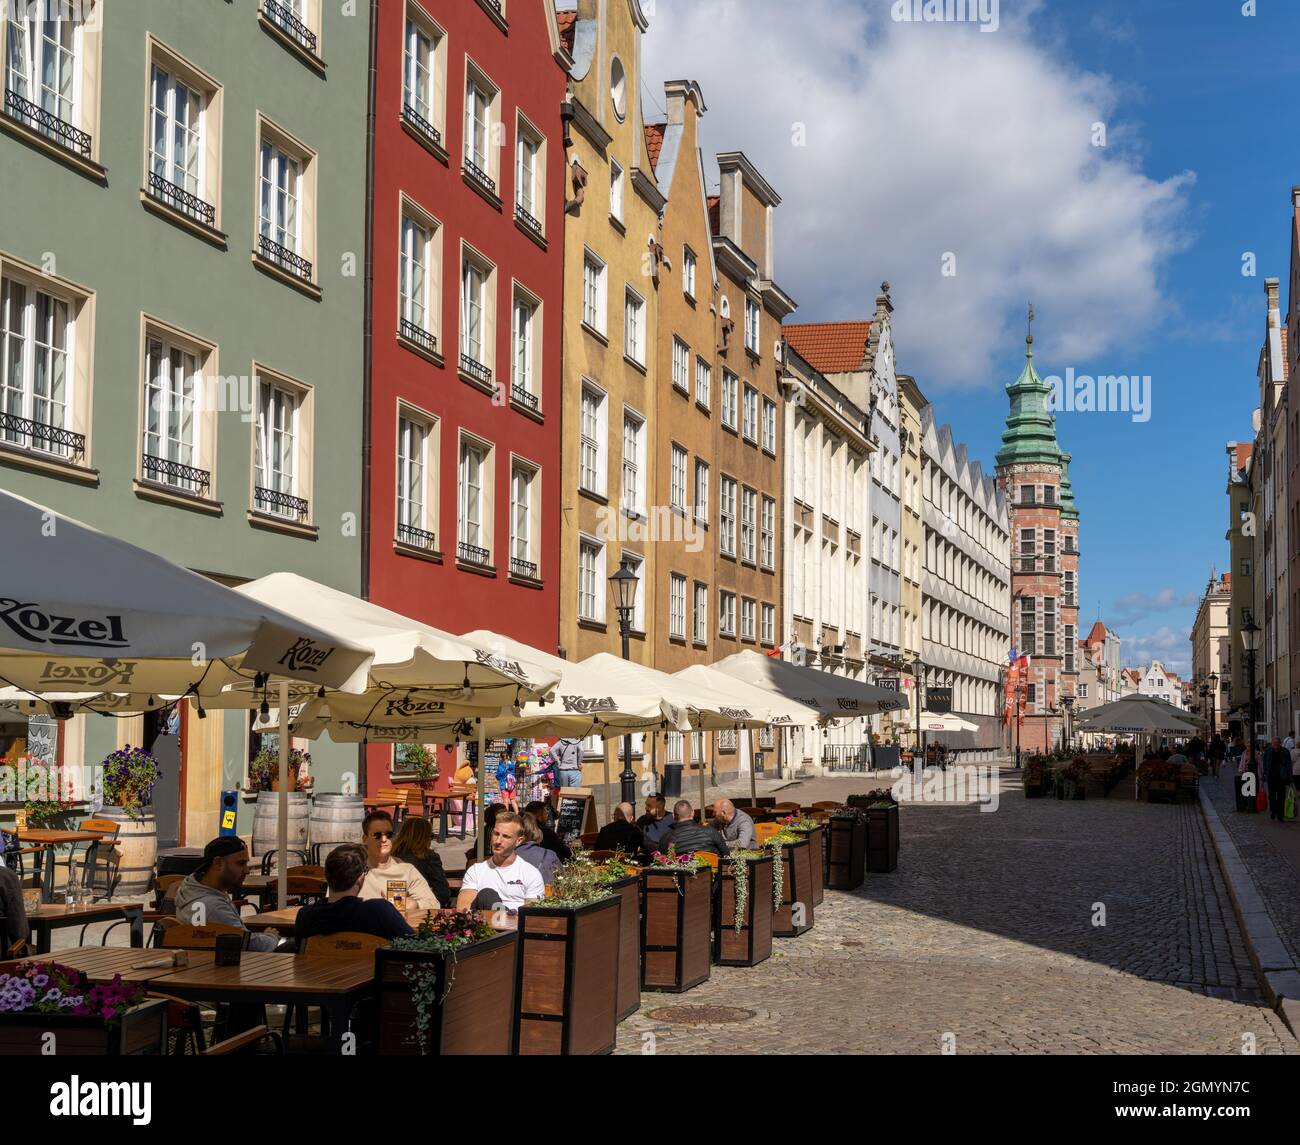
[37, 340]
[748, 524]
[280, 485]
[476, 296]
[480, 101]
[181, 156]
[769, 425]
[748, 618]
[700, 622]
[677, 606]
[591, 580]
[767, 624]
[474, 525]
[416, 471]
[750, 424]
[422, 77]
[681, 365]
[703, 382]
[688, 271]
[530, 170]
[677, 479]
[634, 326]
[592, 445]
[751, 325]
[594, 298]
[296, 20]
[417, 315]
[635, 564]
[525, 337]
[524, 533]
[726, 613]
[727, 516]
[730, 399]
[281, 237]
[633, 463]
[767, 537]
[702, 491]
[615, 191]
[172, 419]
[674, 747]
[47, 72]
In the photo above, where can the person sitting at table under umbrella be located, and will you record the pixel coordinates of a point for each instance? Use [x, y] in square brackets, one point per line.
[204, 897]
[389, 878]
[16, 928]
[344, 909]
[504, 879]
[414, 845]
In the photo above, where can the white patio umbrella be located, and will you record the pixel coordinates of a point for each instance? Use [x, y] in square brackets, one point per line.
[946, 722]
[832, 696]
[1139, 716]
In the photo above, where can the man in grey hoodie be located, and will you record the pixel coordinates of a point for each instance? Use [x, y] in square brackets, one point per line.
[204, 898]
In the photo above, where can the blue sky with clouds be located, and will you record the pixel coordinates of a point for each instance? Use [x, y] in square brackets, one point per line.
[897, 144]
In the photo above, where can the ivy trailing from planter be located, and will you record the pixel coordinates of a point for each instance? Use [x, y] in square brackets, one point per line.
[740, 881]
[773, 847]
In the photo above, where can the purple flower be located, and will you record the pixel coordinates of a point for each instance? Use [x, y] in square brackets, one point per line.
[40, 980]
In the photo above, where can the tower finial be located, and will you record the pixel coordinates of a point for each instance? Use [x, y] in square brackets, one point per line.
[1029, 337]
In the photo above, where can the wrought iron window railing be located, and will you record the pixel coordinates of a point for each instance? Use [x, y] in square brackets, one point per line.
[523, 568]
[528, 219]
[473, 554]
[417, 334]
[289, 24]
[422, 125]
[480, 176]
[175, 196]
[279, 504]
[417, 538]
[476, 369]
[164, 471]
[28, 434]
[47, 123]
[524, 397]
[282, 256]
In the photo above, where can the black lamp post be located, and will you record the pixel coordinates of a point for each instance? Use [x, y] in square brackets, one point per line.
[1250, 639]
[624, 585]
[1212, 686]
[1067, 705]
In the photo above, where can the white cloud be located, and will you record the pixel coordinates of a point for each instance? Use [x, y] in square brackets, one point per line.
[1138, 606]
[1165, 644]
[924, 139]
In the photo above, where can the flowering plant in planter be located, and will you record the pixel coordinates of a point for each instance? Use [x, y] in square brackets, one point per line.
[1035, 770]
[48, 796]
[129, 777]
[846, 812]
[798, 822]
[419, 760]
[264, 770]
[740, 878]
[1077, 769]
[686, 861]
[52, 988]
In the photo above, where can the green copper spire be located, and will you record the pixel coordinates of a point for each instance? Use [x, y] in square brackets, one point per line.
[1030, 435]
[1068, 508]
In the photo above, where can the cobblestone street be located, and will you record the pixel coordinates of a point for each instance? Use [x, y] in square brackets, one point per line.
[985, 932]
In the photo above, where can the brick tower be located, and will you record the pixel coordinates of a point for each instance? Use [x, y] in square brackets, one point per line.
[1033, 474]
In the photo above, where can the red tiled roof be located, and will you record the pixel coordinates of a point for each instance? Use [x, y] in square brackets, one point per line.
[566, 21]
[654, 142]
[1244, 450]
[830, 347]
[1098, 633]
[1227, 580]
[715, 214]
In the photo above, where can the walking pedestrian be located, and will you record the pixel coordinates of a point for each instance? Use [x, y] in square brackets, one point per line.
[1277, 774]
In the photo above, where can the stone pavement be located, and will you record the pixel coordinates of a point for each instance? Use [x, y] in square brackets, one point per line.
[983, 939]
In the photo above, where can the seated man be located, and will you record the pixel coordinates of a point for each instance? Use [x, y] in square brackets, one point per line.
[15, 911]
[737, 827]
[345, 872]
[377, 830]
[204, 897]
[620, 833]
[688, 836]
[544, 813]
[504, 878]
[655, 822]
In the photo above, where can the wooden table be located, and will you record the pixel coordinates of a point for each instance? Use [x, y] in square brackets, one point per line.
[46, 838]
[101, 963]
[49, 917]
[284, 920]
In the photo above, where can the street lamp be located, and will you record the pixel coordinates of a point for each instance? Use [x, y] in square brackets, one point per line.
[1213, 686]
[1067, 703]
[1250, 640]
[623, 584]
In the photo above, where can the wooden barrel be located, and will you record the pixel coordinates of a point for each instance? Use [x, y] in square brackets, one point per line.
[266, 824]
[335, 819]
[137, 849]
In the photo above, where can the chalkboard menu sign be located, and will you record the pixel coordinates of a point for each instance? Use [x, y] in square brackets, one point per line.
[576, 813]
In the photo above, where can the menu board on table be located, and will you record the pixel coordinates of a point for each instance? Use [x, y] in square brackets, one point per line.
[396, 894]
[575, 814]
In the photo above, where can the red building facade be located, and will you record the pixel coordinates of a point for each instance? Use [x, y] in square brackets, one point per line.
[467, 201]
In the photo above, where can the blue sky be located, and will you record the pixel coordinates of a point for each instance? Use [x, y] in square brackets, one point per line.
[940, 139]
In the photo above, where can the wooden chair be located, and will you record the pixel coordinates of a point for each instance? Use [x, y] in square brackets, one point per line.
[826, 805]
[786, 807]
[708, 858]
[588, 840]
[180, 936]
[345, 944]
[267, 863]
[400, 800]
[94, 853]
[245, 1043]
[302, 889]
[307, 872]
[465, 796]
[765, 831]
[185, 1031]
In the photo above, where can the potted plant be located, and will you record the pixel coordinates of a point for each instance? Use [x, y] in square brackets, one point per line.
[448, 990]
[815, 830]
[126, 787]
[1077, 774]
[742, 924]
[1035, 777]
[264, 770]
[264, 778]
[420, 761]
[49, 797]
[43, 999]
[882, 828]
[793, 867]
[676, 908]
[622, 878]
[567, 970]
[846, 848]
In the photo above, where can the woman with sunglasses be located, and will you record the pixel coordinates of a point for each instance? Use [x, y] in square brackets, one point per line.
[389, 878]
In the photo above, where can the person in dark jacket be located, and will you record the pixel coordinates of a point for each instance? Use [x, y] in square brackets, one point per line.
[16, 928]
[344, 911]
[533, 850]
[542, 812]
[688, 836]
[620, 833]
[1277, 774]
[655, 822]
[414, 845]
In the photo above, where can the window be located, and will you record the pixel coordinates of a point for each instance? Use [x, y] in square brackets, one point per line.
[184, 145]
[677, 606]
[634, 327]
[1049, 626]
[748, 524]
[750, 425]
[480, 155]
[417, 314]
[688, 271]
[751, 326]
[280, 456]
[727, 613]
[591, 580]
[769, 427]
[416, 471]
[615, 191]
[767, 538]
[294, 20]
[767, 631]
[1031, 694]
[594, 299]
[51, 82]
[278, 222]
[633, 562]
[681, 365]
[591, 455]
[730, 399]
[1049, 494]
[633, 463]
[618, 88]
[702, 491]
[474, 534]
[748, 616]
[476, 317]
[525, 536]
[1028, 628]
[1071, 646]
[1083, 691]
[525, 337]
[529, 171]
[1026, 494]
[703, 382]
[700, 629]
[172, 418]
[727, 517]
[287, 191]
[1069, 588]
[677, 479]
[423, 76]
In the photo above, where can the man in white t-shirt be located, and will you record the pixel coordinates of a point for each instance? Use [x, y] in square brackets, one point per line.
[505, 876]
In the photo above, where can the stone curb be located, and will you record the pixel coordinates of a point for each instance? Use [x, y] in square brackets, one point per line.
[1279, 976]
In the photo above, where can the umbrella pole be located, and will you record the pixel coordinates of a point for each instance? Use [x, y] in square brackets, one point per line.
[282, 808]
[753, 782]
[482, 782]
[609, 810]
[655, 788]
[703, 797]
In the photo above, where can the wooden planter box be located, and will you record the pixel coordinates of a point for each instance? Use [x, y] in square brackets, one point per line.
[141, 1030]
[816, 837]
[628, 891]
[566, 979]
[676, 909]
[795, 888]
[1161, 791]
[475, 1017]
[882, 839]
[1035, 790]
[752, 943]
[846, 854]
